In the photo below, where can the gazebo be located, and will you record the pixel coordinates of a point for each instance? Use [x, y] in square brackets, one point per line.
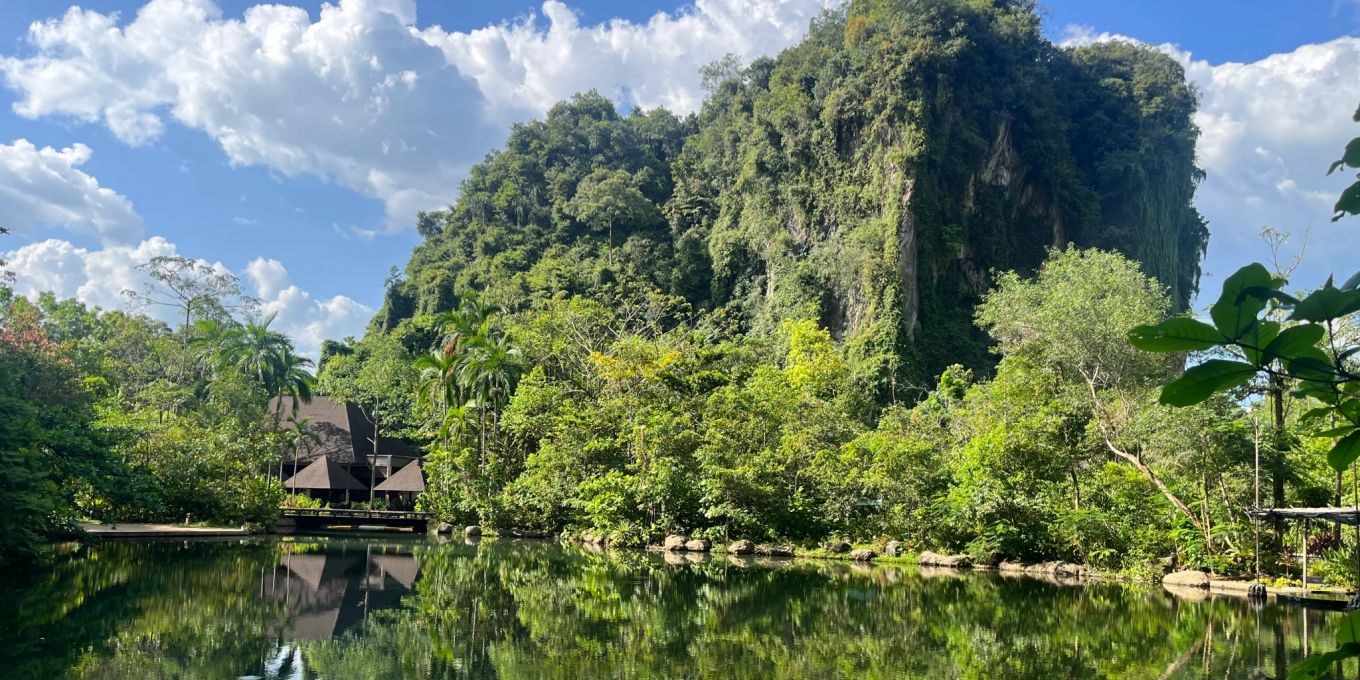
[408, 481]
[324, 474]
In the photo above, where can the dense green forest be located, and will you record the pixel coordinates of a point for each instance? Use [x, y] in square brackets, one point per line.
[119, 417]
[879, 287]
[869, 179]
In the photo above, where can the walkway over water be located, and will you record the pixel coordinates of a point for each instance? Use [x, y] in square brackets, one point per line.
[130, 530]
[313, 518]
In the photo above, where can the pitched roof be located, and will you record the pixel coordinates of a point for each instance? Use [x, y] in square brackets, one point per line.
[409, 478]
[403, 568]
[324, 473]
[345, 435]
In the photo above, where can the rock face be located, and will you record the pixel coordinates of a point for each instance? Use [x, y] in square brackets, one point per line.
[742, 547]
[1058, 569]
[675, 542]
[1188, 578]
[443, 528]
[774, 550]
[837, 547]
[863, 555]
[1011, 567]
[592, 539]
[934, 559]
[473, 530]
[698, 545]
[893, 549]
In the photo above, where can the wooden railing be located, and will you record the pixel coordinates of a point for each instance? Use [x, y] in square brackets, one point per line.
[322, 517]
[344, 513]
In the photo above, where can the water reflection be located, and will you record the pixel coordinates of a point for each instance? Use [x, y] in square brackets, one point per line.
[327, 591]
[511, 609]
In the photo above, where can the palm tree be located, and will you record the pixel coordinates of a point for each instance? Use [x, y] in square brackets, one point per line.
[290, 376]
[299, 435]
[256, 350]
[438, 385]
[467, 326]
[490, 374]
[207, 339]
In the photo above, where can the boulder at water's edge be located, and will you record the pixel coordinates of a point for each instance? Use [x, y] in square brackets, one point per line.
[742, 547]
[934, 559]
[1187, 578]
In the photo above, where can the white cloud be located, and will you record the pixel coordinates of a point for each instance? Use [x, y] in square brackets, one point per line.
[268, 275]
[362, 96]
[523, 68]
[1269, 129]
[306, 319]
[95, 277]
[99, 277]
[44, 187]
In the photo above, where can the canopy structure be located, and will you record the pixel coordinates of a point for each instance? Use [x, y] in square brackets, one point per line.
[1348, 516]
[409, 478]
[324, 473]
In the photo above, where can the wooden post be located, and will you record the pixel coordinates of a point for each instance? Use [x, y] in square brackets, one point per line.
[1307, 524]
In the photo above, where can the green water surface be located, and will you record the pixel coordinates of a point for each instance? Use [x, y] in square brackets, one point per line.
[384, 608]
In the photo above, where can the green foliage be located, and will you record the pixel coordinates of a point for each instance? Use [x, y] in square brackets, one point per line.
[1349, 202]
[114, 416]
[1315, 353]
[640, 417]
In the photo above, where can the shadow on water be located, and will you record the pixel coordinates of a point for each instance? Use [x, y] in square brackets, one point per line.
[340, 608]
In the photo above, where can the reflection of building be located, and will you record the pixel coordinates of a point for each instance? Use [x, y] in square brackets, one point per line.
[340, 462]
[326, 593]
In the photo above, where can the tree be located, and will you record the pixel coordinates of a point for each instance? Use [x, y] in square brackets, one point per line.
[299, 437]
[1073, 319]
[256, 350]
[192, 288]
[438, 387]
[608, 199]
[490, 373]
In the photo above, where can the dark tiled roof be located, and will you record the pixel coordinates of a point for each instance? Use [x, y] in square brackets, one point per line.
[346, 435]
[409, 478]
[324, 473]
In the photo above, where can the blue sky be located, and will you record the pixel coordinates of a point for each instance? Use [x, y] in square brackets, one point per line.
[194, 143]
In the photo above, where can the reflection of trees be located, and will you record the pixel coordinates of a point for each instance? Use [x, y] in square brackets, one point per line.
[151, 610]
[512, 609]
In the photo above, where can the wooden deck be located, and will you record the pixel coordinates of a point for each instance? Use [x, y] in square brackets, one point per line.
[138, 530]
[314, 518]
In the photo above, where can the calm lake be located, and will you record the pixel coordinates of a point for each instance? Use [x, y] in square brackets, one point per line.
[346, 608]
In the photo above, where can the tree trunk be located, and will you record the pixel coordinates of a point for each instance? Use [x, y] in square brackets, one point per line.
[1142, 467]
[1277, 461]
[1076, 489]
[1204, 511]
[373, 463]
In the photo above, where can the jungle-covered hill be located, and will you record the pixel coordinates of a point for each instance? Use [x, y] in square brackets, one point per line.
[870, 178]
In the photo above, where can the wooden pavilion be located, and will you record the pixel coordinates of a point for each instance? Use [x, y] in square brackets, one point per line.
[326, 480]
[343, 434]
[407, 482]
